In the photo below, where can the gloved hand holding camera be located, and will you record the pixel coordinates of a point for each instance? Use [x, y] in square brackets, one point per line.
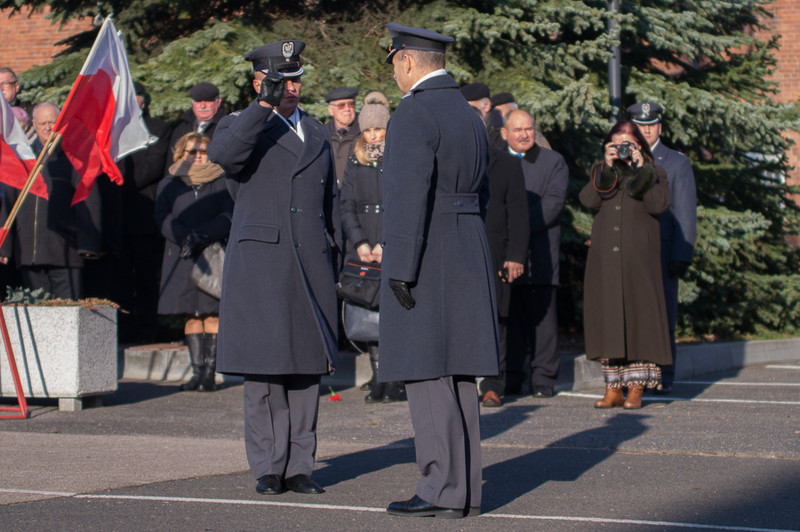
[271, 90]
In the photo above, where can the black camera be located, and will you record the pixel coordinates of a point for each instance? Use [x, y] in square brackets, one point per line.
[625, 150]
[503, 274]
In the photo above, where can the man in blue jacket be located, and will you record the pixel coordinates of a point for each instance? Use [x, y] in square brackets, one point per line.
[678, 224]
[438, 325]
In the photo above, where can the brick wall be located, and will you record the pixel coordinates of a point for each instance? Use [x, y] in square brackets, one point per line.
[28, 38]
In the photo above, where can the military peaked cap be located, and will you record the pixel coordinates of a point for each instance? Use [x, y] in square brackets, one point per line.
[406, 38]
[645, 113]
[285, 55]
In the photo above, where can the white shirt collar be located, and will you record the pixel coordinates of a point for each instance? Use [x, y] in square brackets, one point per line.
[515, 153]
[429, 75]
[293, 122]
[653, 147]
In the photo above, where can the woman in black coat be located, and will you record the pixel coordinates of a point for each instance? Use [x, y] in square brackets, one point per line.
[193, 209]
[361, 205]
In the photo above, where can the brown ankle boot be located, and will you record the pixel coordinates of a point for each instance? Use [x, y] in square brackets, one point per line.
[612, 398]
[634, 399]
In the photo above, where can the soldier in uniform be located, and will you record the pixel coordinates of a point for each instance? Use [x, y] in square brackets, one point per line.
[438, 325]
[678, 224]
[278, 307]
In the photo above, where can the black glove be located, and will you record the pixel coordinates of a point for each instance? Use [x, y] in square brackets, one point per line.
[402, 293]
[193, 245]
[678, 269]
[272, 85]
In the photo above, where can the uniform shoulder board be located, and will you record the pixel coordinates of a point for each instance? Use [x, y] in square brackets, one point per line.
[235, 113]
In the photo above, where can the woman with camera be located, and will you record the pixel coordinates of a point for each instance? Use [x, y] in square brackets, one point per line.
[625, 320]
[361, 204]
[193, 209]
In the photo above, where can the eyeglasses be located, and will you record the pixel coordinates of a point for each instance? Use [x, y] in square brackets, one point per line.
[200, 151]
[342, 105]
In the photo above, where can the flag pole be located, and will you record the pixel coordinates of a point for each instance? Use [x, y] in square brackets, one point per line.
[44, 156]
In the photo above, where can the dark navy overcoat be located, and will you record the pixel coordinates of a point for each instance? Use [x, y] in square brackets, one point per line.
[678, 223]
[435, 195]
[278, 307]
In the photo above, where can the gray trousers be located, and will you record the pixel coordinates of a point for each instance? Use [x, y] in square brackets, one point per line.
[280, 424]
[447, 437]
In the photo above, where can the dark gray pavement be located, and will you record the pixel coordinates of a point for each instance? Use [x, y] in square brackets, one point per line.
[721, 453]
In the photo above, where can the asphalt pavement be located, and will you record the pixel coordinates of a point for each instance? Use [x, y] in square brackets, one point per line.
[721, 453]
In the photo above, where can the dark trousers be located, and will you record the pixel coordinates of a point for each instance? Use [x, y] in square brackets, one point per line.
[497, 384]
[280, 424]
[62, 282]
[533, 321]
[447, 437]
[671, 299]
[137, 286]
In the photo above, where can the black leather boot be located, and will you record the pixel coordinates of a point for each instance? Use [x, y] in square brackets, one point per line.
[209, 382]
[378, 388]
[372, 349]
[393, 392]
[195, 344]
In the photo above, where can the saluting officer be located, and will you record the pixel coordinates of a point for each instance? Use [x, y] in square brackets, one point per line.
[278, 308]
[438, 325]
[678, 224]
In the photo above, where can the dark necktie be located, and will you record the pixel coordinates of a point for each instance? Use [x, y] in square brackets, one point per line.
[341, 131]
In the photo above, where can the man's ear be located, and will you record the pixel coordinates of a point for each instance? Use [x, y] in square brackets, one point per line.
[257, 85]
[504, 133]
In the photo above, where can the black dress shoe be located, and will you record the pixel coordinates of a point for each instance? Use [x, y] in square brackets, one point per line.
[303, 484]
[270, 485]
[416, 507]
[663, 389]
[542, 391]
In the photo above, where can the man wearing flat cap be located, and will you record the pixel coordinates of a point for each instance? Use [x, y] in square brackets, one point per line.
[278, 307]
[678, 224]
[438, 328]
[206, 112]
[477, 95]
[343, 126]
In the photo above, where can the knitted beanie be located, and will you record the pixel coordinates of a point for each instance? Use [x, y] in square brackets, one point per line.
[373, 115]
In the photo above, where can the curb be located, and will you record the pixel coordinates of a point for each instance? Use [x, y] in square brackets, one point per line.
[170, 363]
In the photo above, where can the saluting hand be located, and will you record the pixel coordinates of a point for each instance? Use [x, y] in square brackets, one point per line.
[271, 90]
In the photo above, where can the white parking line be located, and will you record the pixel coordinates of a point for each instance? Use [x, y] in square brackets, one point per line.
[724, 383]
[781, 366]
[240, 502]
[689, 399]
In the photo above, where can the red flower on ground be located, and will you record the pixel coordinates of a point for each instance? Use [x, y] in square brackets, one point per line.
[334, 396]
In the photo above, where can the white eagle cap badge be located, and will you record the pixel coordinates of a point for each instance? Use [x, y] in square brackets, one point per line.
[287, 50]
[646, 108]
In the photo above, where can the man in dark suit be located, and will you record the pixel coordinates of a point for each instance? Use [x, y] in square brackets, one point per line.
[343, 126]
[508, 231]
[678, 224]
[206, 112]
[278, 306]
[438, 325]
[533, 320]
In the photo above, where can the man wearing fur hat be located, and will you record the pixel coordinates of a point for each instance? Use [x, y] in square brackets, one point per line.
[278, 309]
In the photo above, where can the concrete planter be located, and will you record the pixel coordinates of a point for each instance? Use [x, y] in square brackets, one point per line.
[69, 353]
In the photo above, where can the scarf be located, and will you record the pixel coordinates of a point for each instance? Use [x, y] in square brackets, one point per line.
[196, 174]
[374, 152]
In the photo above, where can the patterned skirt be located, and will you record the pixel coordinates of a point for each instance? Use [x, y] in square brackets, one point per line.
[618, 372]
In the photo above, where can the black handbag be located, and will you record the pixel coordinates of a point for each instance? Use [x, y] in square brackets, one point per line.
[360, 284]
[207, 270]
[360, 324]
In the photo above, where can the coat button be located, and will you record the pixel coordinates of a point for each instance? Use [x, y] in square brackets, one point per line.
[293, 210]
[616, 228]
[475, 202]
[616, 248]
[617, 207]
[325, 250]
[296, 244]
[298, 176]
[321, 216]
[460, 203]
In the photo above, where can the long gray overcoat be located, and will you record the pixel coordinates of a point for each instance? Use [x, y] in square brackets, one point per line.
[624, 312]
[678, 223]
[278, 307]
[435, 195]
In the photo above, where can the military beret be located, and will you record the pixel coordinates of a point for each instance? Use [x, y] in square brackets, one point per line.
[502, 97]
[285, 55]
[204, 92]
[645, 113]
[341, 93]
[475, 91]
[407, 38]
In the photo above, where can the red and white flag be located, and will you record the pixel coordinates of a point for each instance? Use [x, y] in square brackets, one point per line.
[16, 156]
[101, 122]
